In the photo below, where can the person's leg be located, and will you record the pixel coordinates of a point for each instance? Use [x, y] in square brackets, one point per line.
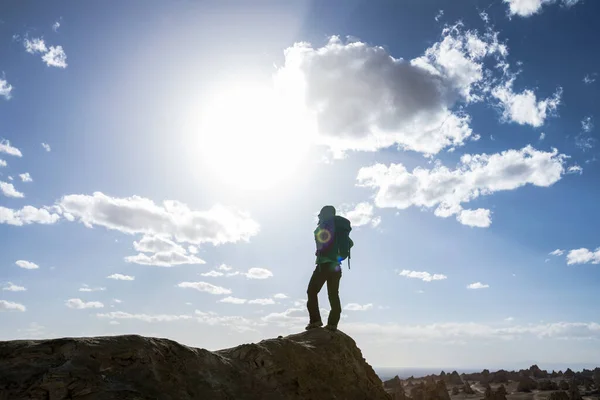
[333, 287]
[314, 287]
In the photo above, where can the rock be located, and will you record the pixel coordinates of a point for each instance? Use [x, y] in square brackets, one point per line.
[430, 391]
[488, 392]
[392, 383]
[560, 395]
[569, 373]
[467, 389]
[536, 372]
[526, 384]
[546, 384]
[454, 378]
[455, 391]
[574, 393]
[316, 364]
[563, 385]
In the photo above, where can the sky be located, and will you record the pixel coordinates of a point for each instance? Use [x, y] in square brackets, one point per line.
[162, 165]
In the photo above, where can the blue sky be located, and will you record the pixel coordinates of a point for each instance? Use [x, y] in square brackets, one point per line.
[162, 164]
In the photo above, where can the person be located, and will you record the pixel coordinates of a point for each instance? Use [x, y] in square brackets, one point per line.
[328, 270]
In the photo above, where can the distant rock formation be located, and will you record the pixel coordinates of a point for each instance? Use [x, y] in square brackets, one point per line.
[546, 384]
[574, 393]
[560, 395]
[430, 391]
[467, 389]
[317, 364]
[526, 384]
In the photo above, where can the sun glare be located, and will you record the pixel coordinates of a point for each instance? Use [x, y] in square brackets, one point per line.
[251, 138]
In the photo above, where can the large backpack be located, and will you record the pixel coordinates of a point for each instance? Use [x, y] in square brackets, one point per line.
[343, 243]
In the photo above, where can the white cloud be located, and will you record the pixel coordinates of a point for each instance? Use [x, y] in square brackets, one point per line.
[26, 264]
[589, 79]
[27, 215]
[478, 285]
[262, 302]
[46, 147]
[280, 296]
[224, 267]
[3, 163]
[584, 141]
[53, 56]
[509, 319]
[476, 175]
[479, 218]
[157, 244]
[424, 276]
[86, 288]
[527, 8]
[363, 98]
[232, 300]
[6, 148]
[258, 273]
[144, 317]
[80, 304]
[35, 45]
[439, 15]
[205, 287]
[236, 323]
[173, 219]
[5, 89]
[113, 322]
[542, 136]
[361, 214]
[55, 26]
[290, 318]
[10, 306]
[583, 256]
[212, 274]
[9, 190]
[557, 252]
[575, 169]
[164, 259]
[117, 301]
[455, 330]
[11, 287]
[25, 177]
[358, 307]
[587, 124]
[121, 277]
[524, 108]
[193, 249]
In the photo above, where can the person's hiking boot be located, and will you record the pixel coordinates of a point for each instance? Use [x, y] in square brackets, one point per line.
[331, 328]
[314, 325]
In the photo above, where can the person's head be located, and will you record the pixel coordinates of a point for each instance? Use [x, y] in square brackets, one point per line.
[326, 213]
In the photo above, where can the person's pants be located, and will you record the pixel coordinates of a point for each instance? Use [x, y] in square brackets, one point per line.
[318, 279]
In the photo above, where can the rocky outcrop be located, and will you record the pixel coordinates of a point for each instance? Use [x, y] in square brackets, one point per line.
[317, 364]
[467, 389]
[430, 391]
[560, 395]
[526, 384]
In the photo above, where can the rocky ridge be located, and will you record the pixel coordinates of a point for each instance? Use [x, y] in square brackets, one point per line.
[317, 364]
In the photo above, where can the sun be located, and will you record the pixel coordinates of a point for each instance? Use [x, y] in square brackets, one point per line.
[251, 137]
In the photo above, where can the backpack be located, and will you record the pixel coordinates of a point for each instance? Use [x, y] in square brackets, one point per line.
[343, 243]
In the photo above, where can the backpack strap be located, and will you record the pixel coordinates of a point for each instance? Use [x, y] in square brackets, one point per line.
[349, 256]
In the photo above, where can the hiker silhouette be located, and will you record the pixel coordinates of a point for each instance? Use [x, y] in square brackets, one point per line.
[333, 246]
